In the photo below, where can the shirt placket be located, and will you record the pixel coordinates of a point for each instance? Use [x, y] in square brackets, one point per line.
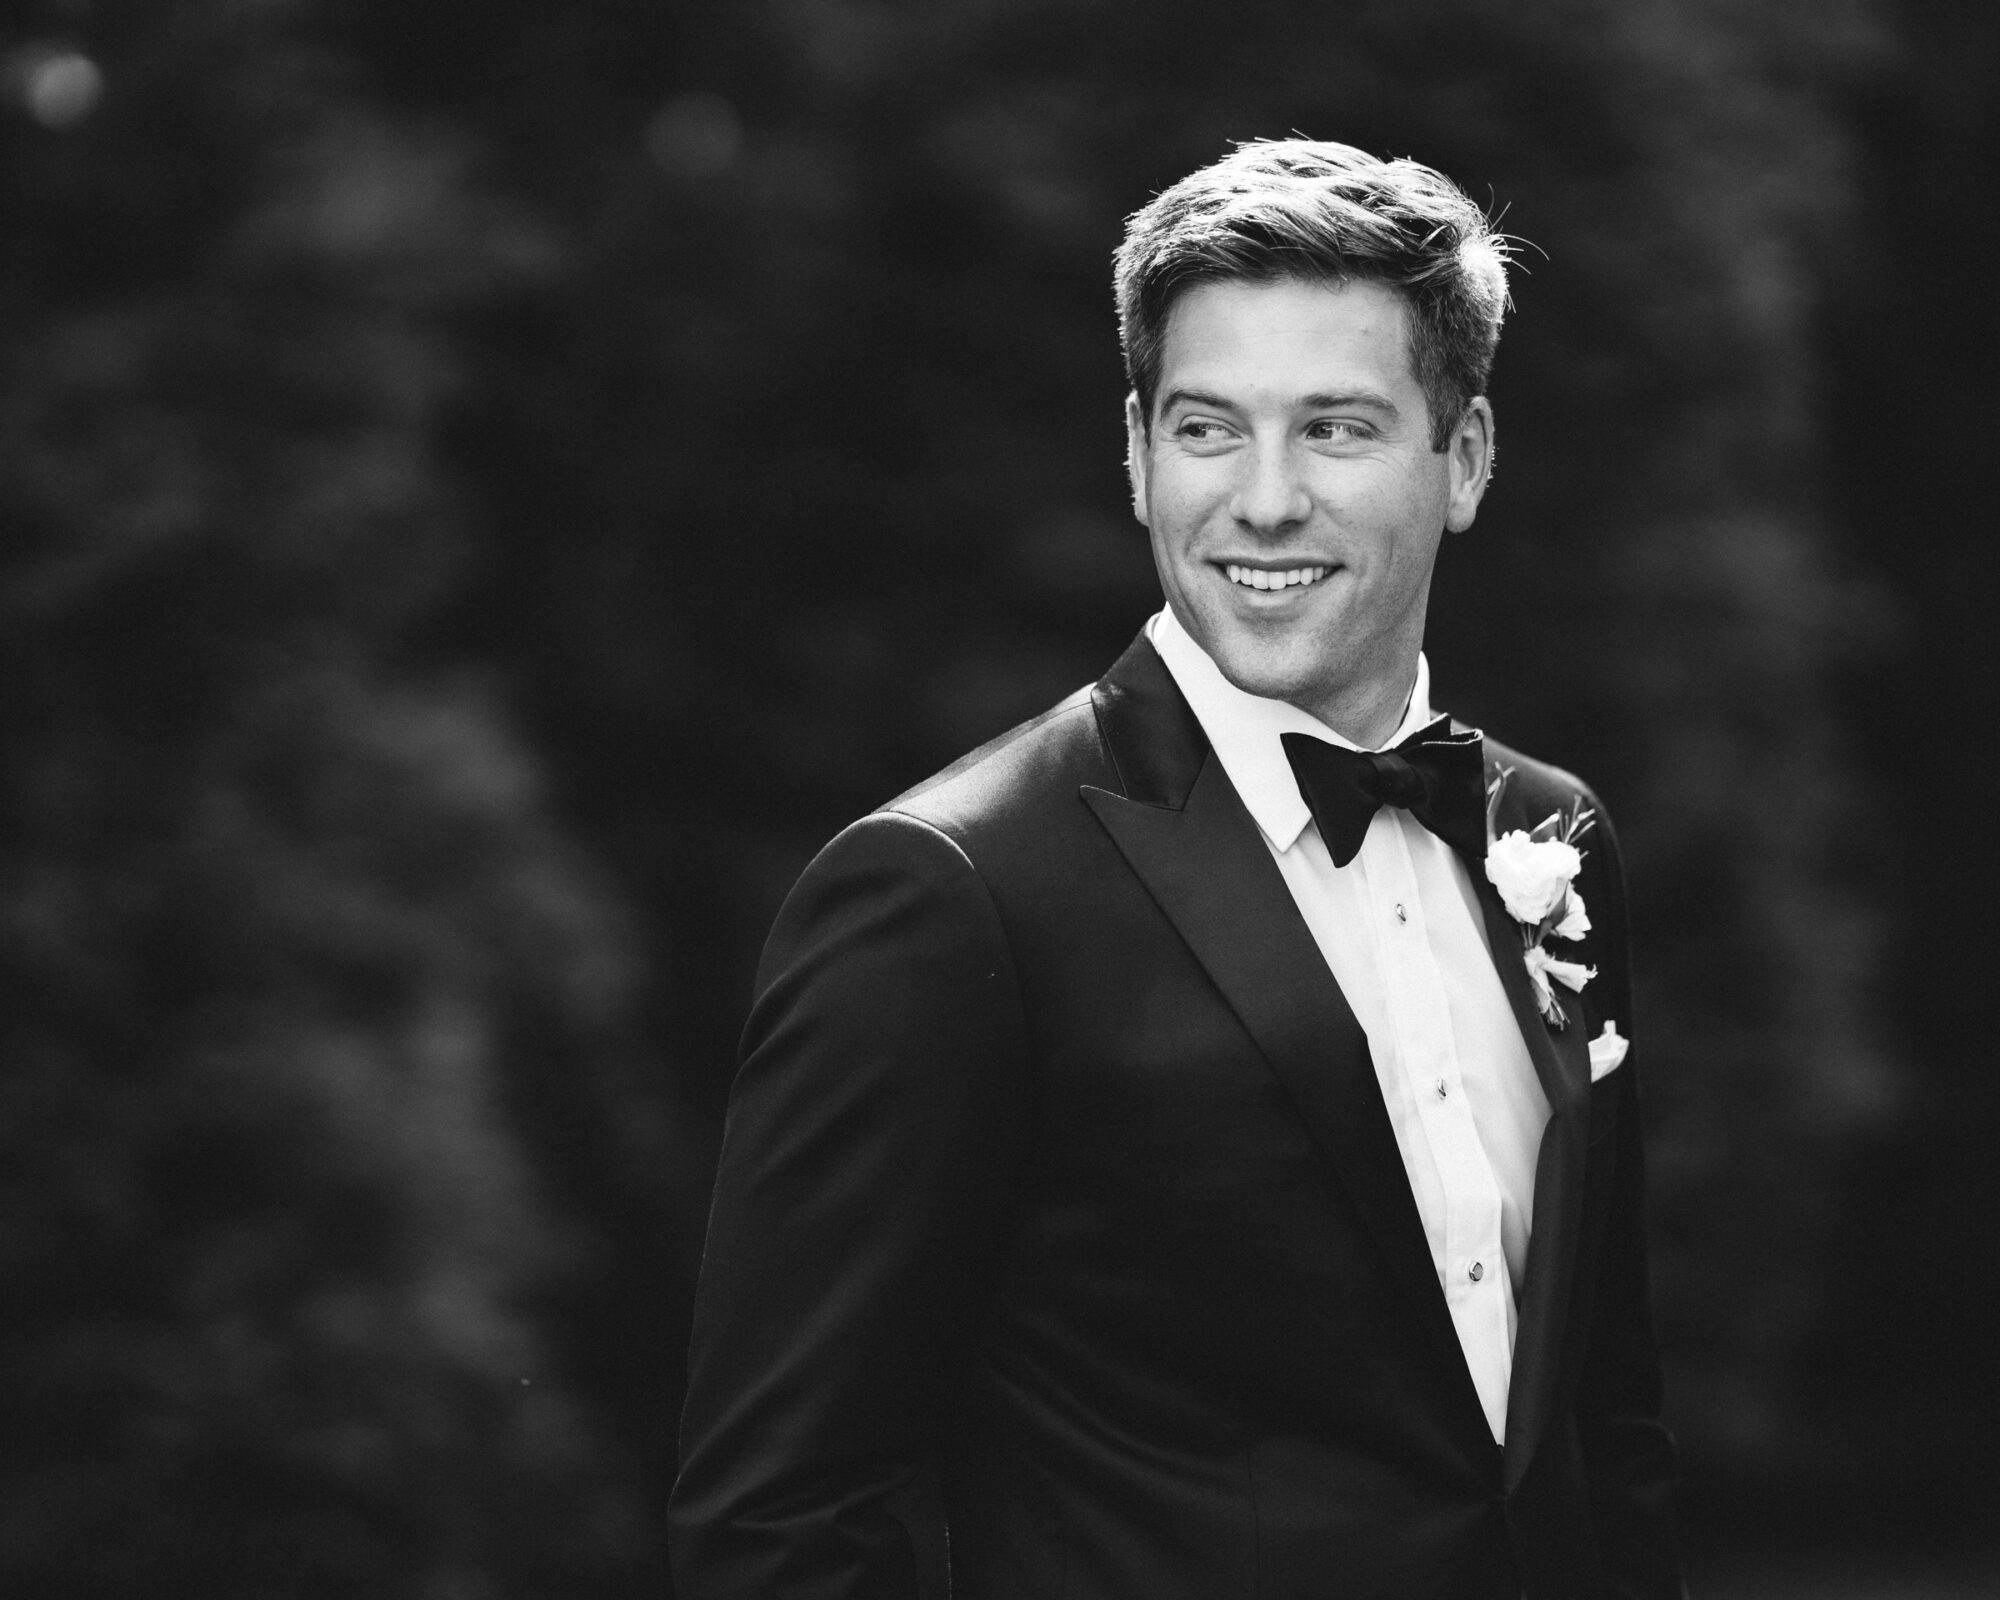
[1473, 1269]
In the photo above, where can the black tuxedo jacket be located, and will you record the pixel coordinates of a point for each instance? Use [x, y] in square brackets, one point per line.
[1061, 1246]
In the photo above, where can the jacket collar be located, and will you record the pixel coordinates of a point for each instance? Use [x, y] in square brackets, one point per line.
[1562, 1061]
[1152, 736]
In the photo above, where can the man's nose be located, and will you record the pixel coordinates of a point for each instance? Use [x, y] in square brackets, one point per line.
[1270, 495]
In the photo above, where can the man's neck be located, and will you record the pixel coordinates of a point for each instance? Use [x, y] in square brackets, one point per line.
[1367, 718]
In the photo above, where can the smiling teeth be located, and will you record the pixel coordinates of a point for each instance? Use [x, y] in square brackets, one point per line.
[1259, 578]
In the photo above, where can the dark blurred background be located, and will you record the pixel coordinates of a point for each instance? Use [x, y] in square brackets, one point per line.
[489, 487]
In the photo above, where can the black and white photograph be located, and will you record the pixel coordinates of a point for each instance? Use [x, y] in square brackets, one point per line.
[998, 800]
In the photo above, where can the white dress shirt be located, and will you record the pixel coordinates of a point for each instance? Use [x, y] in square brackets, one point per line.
[1402, 933]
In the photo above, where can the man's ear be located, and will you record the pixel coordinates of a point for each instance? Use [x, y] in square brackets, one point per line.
[1470, 463]
[1136, 439]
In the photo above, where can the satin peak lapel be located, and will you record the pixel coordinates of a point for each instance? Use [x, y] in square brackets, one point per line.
[1200, 856]
[1562, 1063]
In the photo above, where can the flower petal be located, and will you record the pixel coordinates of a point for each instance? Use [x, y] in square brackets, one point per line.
[1571, 974]
[1531, 874]
[1575, 920]
[1543, 967]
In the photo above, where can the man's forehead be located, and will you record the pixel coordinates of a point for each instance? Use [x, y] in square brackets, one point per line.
[1289, 332]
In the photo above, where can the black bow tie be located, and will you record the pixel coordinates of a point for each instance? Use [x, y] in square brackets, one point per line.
[1436, 775]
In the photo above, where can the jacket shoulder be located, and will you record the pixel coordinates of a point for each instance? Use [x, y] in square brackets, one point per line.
[1025, 770]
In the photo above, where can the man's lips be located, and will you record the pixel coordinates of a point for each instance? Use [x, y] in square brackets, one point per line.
[1245, 576]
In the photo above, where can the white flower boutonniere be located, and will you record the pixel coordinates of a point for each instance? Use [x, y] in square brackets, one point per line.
[1535, 872]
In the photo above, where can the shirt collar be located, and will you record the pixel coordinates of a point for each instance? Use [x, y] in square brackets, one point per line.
[1245, 728]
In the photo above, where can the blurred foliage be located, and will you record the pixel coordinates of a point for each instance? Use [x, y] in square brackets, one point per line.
[489, 488]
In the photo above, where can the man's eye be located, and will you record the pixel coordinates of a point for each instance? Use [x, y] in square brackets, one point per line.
[1336, 429]
[1196, 431]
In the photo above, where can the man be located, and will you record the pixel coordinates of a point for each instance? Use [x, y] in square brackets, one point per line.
[1166, 1160]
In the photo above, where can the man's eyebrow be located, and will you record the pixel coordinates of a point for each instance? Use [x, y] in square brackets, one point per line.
[1194, 397]
[1367, 399]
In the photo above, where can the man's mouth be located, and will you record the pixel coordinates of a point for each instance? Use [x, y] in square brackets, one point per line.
[1265, 578]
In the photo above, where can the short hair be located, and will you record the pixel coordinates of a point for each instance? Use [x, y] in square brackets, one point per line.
[1274, 209]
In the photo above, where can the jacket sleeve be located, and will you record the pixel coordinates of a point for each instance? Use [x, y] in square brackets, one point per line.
[866, 1167]
[1628, 1453]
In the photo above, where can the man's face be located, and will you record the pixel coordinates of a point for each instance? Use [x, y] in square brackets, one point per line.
[1294, 501]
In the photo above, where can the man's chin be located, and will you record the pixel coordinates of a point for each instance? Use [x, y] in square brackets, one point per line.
[1267, 679]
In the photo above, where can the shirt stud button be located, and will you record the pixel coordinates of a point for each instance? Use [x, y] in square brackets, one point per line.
[1442, 1091]
[1476, 1271]
[1402, 915]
